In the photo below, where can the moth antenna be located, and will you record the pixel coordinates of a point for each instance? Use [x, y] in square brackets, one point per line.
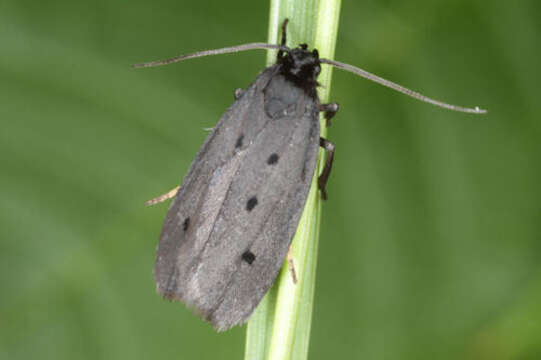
[399, 88]
[226, 50]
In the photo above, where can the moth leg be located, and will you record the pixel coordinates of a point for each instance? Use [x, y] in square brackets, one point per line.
[330, 110]
[291, 265]
[283, 42]
[238, 93]
[322, 180]
[168, 195]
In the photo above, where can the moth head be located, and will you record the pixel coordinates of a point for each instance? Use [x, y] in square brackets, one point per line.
[302, 65]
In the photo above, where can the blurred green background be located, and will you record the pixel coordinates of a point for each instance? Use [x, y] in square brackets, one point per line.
[431, 238]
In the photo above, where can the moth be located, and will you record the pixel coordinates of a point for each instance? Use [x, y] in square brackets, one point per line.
[232, 220]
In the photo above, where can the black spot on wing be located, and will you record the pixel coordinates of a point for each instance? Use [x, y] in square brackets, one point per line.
[273, 159]
[240, 140]
[186, 224]
[248, 256]
[252, 202]
[303, 172]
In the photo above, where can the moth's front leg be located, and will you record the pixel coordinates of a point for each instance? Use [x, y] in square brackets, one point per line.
[322, 180]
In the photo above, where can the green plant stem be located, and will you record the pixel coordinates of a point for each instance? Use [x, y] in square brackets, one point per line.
[279, 329]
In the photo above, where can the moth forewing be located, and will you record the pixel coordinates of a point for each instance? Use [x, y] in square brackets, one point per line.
[230, 226]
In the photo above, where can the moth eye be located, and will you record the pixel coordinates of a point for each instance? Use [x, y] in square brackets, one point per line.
[239, 141]
[252, 202]
[186, 224]
[273, 159]
[248, 256]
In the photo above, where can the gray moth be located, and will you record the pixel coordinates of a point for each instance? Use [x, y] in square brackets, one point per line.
[230, 225]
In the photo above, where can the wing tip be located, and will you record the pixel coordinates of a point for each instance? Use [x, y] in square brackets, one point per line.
[220, 324]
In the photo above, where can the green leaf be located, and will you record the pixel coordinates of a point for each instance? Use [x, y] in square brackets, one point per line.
[280, 327]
